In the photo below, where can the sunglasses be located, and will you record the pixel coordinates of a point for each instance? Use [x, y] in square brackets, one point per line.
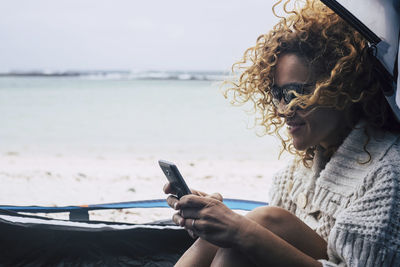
[287, 92]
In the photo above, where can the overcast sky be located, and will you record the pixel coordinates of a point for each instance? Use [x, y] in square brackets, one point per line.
[129, 34]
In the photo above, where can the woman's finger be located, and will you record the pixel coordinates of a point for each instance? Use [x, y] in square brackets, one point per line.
[216, 196]
[178, 220]
[172, 201]
[192, 201]
[194, 225]
[169, 189]
[192, 235]
[198, 193]
[190, 213]
[191, 228]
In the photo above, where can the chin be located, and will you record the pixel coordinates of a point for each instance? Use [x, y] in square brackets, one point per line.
[300, 145]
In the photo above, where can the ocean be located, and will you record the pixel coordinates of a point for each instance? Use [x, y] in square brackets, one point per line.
[157, 115]
[74, 140]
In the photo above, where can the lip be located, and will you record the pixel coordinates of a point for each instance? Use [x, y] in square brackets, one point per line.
[294, 126]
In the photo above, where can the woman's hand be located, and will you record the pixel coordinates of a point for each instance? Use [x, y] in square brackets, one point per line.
[172, 201]
[207, 217]
[210, 219]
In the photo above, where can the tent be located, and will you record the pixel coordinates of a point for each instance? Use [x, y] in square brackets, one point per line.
[37, 241]
[379, 22]
[28, 240]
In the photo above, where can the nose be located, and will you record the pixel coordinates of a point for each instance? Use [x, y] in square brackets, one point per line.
[283, 110]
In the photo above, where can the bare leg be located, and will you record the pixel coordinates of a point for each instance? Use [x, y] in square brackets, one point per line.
[200, 254]
[283, 224]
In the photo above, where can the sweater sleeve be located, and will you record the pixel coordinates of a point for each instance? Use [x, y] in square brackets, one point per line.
[367, 232]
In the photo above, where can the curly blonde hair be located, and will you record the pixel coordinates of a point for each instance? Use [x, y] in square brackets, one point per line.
[338, 56]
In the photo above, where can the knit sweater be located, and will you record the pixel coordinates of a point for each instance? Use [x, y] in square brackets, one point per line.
[353, 205]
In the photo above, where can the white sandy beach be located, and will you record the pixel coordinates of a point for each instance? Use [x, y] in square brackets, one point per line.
[58, 180]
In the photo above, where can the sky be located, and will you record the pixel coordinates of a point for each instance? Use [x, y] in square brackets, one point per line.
[128, 34]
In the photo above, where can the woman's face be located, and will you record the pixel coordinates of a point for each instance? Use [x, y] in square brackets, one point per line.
[321, 126]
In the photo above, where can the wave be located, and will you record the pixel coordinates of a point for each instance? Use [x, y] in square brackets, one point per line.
[124, 75]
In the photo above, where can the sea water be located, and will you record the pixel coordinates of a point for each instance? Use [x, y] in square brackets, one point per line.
[75, 114]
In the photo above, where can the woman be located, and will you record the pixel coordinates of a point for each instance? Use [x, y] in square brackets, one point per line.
[337, 203]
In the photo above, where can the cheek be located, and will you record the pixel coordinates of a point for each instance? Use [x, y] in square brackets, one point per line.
[323, 122]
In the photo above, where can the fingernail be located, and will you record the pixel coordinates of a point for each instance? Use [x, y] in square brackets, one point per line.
[175, 205]
[180, 221]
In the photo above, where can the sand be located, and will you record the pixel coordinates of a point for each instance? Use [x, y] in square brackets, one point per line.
[55, 179]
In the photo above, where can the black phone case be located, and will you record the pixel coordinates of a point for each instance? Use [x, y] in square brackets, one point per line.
[174, 177]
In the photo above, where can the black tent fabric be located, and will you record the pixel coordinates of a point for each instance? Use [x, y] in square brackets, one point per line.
[38, 241]
[27, 240]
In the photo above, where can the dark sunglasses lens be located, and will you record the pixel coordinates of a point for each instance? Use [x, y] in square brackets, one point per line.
[276, 93]
[288, 96]
[289, 92]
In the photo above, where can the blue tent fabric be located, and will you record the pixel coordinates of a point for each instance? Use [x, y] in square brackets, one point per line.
[80, 213]
[153, 203]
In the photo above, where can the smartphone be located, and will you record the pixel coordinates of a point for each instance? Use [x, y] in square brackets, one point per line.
[174, 177]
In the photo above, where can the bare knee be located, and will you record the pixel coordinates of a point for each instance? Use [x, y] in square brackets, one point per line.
[270, 217]
[290, 228]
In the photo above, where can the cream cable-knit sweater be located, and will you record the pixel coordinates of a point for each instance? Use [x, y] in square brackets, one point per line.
[354, 207]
